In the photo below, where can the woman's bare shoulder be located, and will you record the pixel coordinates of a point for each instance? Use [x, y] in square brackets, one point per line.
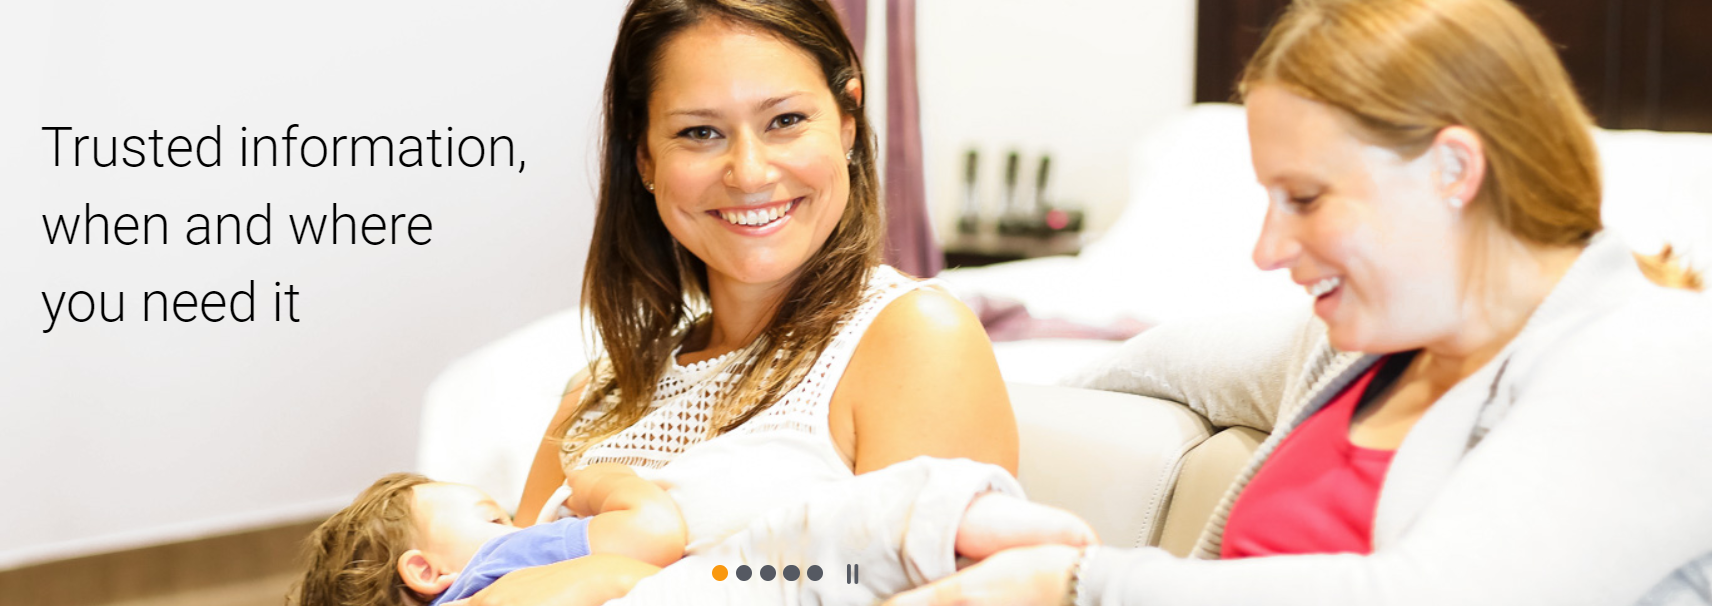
[924, 381]
[926, 318]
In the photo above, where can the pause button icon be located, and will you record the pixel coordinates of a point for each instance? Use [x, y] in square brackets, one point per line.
[852, 575]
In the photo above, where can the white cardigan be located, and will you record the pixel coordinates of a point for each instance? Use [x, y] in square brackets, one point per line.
[1574, 468]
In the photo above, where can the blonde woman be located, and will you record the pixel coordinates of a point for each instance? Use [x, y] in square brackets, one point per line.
[1491, 404]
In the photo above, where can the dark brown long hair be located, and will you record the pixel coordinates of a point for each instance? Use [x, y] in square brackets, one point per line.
[644, 292]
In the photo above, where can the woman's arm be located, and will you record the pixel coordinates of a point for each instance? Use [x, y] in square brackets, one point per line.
[1590, 491]
[923, 381]
[632, 516]
[545, 474]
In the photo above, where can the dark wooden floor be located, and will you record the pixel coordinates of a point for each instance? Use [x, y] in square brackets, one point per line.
[254, 568]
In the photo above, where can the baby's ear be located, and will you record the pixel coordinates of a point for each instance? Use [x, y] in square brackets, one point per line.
[419, 575]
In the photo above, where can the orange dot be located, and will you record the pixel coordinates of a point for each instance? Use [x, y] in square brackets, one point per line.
[718, 573]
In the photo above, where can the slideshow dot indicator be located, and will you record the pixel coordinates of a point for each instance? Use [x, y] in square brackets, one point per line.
[789, 573]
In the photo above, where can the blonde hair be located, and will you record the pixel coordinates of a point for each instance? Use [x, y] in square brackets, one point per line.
[1406, 69]
[352, 558]
[1665, 269]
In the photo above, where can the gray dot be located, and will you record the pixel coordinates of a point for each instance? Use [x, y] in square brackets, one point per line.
[766, 573]
[814, 573]
[742, 573]
[790, 573]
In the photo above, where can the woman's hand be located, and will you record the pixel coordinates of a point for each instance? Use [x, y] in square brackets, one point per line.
[1034, 576]
[995, 522]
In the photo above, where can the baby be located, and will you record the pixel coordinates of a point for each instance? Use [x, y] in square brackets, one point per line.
[409, 541]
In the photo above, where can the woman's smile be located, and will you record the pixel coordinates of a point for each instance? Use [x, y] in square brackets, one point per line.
[1327, 293]
[757, 220]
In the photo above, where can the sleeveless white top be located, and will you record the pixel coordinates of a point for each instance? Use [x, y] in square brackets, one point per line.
[723, 483]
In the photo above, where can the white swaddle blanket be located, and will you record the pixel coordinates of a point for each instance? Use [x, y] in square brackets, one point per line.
[897, 526]
[871, 536]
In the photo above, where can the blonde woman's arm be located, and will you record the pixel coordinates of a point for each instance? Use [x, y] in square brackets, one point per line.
[545, 473]
[923, 381]
[1592, 490]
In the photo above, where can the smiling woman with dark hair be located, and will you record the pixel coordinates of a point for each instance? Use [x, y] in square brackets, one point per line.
[753, 344]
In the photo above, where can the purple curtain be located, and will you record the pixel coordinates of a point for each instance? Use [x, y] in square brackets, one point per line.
[854, 14]
[910, 245]
[909, 233]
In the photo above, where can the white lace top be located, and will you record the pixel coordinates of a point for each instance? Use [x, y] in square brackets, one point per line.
[724, 482]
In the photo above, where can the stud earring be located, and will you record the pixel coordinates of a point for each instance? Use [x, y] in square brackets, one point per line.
[1452, 169]
[850, 155]
[649, 185]
[1454, 202]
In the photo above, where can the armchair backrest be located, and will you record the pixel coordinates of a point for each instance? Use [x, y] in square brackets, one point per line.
[1140, 470]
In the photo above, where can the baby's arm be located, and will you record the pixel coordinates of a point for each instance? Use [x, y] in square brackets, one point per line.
[632, 516]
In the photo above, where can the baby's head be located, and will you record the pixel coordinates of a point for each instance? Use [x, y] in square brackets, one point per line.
[401, 542]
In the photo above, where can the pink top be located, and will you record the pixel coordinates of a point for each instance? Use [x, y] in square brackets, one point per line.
[1317, 492]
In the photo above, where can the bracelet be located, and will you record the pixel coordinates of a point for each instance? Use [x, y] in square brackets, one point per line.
[1075, 589]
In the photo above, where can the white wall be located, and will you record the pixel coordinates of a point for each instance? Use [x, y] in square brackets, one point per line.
[128, 433]
[1080, 79]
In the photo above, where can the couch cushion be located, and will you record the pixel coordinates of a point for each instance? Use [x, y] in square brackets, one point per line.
[1208, 471]
[1111, 458]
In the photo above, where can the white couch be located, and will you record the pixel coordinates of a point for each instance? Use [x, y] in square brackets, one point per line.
[1142, 471]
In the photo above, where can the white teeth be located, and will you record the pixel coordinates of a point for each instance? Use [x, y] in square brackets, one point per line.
[1324, 286]
[754, 218]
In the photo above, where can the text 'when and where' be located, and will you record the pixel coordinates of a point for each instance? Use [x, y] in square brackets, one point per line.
[332, 228]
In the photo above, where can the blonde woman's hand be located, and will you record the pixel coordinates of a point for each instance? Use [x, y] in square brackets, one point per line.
[1026, 576]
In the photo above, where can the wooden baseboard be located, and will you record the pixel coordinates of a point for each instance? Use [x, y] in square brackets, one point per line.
[238, 569]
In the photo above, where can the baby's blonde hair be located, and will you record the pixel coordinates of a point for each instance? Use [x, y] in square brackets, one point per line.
[352, 558]
[1666, 269]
